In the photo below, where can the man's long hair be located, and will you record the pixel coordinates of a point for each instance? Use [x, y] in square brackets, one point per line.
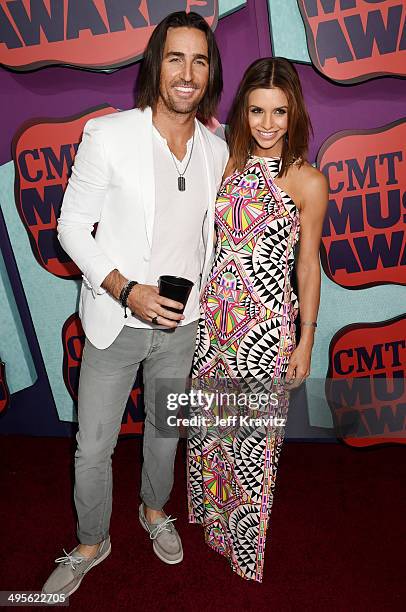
[267, 73]
[148, 83]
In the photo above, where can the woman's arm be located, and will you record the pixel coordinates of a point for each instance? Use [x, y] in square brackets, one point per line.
[313, 205]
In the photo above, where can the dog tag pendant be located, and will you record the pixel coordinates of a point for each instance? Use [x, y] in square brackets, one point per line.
[181, 183]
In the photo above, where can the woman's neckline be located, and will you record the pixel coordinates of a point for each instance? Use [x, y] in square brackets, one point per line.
[264, 157]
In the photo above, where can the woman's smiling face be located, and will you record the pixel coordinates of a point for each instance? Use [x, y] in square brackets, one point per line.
[268, 120]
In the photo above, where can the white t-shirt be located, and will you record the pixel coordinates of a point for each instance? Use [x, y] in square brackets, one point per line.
[178, 222]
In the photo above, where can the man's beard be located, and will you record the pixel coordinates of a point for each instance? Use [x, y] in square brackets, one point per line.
[179, 106]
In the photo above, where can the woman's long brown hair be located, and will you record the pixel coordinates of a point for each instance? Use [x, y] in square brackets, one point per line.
[268, 73]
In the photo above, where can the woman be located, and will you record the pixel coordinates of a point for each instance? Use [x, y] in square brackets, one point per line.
[247, 331]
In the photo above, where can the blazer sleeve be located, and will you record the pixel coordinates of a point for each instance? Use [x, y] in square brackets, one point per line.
[81, 208]
[225, 158]
[223, 155]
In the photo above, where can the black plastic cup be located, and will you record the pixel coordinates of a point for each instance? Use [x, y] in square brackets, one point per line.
[175, 288]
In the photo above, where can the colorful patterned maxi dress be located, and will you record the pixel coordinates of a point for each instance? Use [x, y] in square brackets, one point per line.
[246, 331]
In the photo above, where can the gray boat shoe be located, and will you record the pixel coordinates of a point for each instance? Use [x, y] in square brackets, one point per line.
[167, 544]
[66, 578]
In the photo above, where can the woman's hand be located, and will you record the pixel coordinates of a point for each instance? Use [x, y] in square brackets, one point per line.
[299, 366]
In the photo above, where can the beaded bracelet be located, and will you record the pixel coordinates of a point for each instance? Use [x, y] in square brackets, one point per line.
[309, 323]
[120, 297]
[124, 294]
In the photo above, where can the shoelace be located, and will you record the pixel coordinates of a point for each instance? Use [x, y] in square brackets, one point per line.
[69, 559]
[164, 526]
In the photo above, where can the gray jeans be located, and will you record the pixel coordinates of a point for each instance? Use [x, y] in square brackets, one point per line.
[106, 379]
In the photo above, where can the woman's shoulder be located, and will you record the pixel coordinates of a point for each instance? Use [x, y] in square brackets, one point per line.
[308, 175]
[310, 185]
[303, 170]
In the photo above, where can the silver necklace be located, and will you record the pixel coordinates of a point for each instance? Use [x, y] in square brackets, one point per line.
[181, 177]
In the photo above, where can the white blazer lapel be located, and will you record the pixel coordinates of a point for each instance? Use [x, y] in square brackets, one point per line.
[211, 193]
[146, 170]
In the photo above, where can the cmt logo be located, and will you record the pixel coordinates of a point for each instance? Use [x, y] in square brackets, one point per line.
[363, 242]
[43, 153]
[94, 34]
[354, 40]
[365, 384]
[73, 340]
[4, 392]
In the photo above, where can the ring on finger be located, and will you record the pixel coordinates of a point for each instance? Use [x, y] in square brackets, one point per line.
[154, 320]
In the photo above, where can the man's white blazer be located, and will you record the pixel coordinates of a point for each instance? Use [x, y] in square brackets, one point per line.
[113, 184]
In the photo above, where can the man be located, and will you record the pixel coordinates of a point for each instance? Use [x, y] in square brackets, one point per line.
[149, 178]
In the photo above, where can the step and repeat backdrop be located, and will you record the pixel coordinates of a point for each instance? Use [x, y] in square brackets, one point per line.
[64, 62]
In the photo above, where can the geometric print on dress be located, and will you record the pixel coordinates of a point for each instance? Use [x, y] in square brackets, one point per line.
[218, 481]
[244, 529]
[245, 206]
[264, 347]
[258, 350]
[245, 331]
[268, 265]
[230, 305]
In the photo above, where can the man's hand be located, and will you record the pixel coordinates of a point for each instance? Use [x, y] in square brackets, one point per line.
[145, 302]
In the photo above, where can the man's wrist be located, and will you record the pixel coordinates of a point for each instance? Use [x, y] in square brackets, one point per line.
[125, 293]
[114, 283]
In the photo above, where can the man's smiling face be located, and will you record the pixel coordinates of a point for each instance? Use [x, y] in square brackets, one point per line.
[184, 70]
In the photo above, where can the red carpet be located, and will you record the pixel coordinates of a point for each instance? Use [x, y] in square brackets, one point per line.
[336, 540]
